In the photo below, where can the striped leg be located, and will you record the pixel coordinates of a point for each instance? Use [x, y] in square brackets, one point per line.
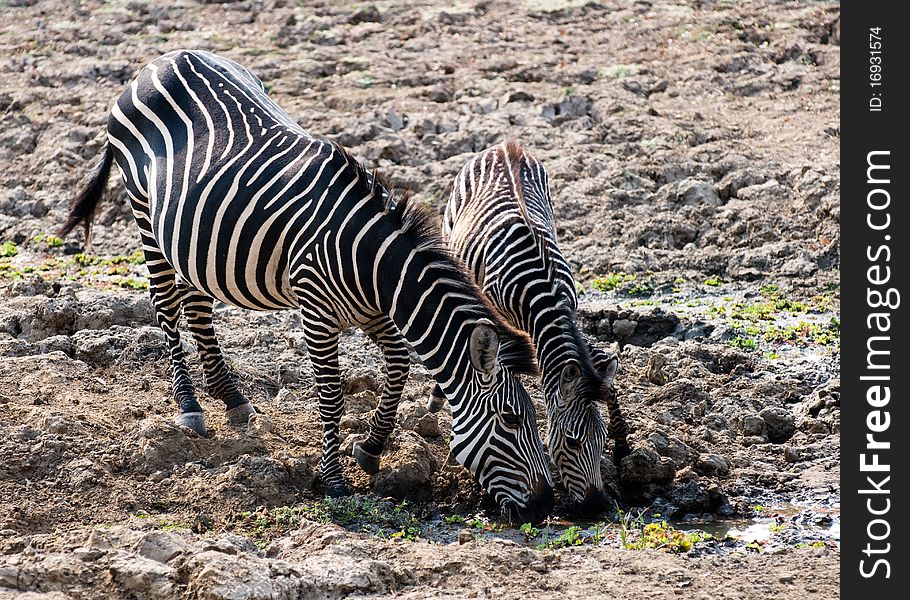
[166, 298]
[322, 344]
[219, 379]
[398, 362]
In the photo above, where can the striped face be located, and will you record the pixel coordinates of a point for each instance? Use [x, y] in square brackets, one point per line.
[578, 435]
[494, 434]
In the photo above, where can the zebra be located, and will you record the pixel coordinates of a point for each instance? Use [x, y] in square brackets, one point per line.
[236, 202]
[499, 220]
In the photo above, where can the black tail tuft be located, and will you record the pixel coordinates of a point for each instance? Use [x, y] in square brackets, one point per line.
[82, 208]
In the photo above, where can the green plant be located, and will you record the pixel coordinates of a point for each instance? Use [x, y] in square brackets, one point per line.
[529, 531]
[620, 71]
[611, 281]
[454, 519]
[661, 536]
[8, 249]
[713, 281]
[745, 343]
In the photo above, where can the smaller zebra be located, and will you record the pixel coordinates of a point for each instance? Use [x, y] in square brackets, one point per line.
[499, 220]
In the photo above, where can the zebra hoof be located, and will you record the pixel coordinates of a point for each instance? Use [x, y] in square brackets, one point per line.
[435, 403]
[192, 420]
[240, 414]
[338, 491]
[368, 462]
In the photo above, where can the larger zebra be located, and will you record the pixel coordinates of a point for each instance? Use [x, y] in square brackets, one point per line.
[236, 202]
[499, 220]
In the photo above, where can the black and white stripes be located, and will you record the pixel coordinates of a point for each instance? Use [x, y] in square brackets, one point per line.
[499, 220]
[235, 202]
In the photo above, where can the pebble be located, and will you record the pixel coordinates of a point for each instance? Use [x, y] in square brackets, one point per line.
[465, 536]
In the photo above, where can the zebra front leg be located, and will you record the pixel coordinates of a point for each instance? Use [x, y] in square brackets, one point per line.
[219, 379]
[322, 344]
[167, 298]
[398, 362]
[607, 365]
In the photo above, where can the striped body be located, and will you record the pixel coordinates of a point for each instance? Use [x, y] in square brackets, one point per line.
[234, 201]
[499, 220]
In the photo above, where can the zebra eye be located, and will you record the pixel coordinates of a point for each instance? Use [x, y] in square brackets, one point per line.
[511, 419]
[573, 443]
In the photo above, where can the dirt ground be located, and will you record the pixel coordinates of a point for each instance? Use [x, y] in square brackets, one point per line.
[693, 156]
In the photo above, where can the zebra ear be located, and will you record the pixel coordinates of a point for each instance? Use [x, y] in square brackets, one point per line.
[608, 369]
[568, 381]
[484, 346]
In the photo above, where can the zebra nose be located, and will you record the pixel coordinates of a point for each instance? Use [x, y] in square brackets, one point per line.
[592, 505]
[539, 505]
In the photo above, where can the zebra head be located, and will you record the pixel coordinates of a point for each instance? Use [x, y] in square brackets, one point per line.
[494, 426]
[578, 432]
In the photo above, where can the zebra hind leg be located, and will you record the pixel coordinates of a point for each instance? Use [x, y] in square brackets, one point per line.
[167, 298]
[436, 400]
[398, 362]
[220, 381]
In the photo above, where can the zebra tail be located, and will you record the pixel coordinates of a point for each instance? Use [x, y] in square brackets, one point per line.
[82, 207]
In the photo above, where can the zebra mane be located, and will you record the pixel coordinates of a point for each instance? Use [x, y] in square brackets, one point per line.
[513, 154]
[418, 223]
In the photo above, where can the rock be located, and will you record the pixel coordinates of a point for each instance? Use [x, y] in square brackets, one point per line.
[137, 576]
[631, 85]
[671, 447]
[792, 454]
[407, 468]
[339, 573]
[695, 192]
[715, 422]
[55, 424]
[160, 444]
[786, 577]
[465, 536]
[440, 93]
[519, 96]
[428, 426]
[259, 424]
[285, 395]
[754, 425]
[690, 497]
[623, 328]
[780, 423]
[160, 546]
[761, 193]
[644, 466]
[236, 577]
[367, 14]
[571, 107]
[394, 120]
[654, 371]
[658, 86]
[486, 106]
[712, 464]
[683, 391]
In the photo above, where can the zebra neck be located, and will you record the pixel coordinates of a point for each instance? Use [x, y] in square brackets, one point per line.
[435, 309]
